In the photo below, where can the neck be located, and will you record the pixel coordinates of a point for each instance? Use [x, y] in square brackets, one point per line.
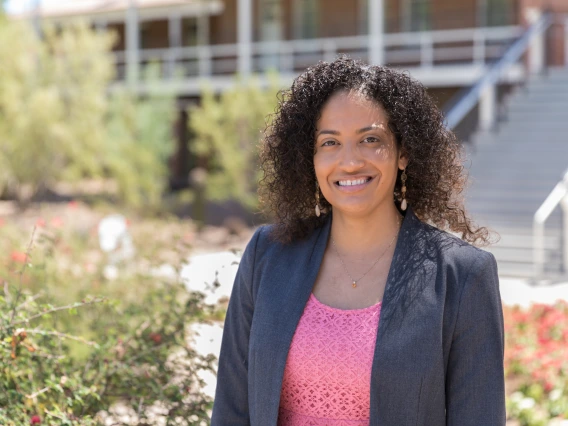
[360, 236]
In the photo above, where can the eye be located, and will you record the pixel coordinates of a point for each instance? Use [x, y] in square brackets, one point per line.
[330, 142]
[371, 139]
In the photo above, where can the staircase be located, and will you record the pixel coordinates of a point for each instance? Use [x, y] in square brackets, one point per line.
[515, 168]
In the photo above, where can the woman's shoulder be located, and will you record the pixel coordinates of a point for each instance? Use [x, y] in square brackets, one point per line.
[450, 248]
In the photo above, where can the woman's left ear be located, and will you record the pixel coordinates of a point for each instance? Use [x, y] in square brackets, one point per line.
[402, 160]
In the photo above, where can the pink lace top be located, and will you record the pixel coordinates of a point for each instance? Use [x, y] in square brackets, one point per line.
[327, 378]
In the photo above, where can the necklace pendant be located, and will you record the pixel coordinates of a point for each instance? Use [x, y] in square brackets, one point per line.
[354, 284]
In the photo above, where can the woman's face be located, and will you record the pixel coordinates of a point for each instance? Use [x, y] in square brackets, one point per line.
[356, 158]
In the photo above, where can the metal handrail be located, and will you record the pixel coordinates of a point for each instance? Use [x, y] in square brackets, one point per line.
[465, 100]
[559, 195]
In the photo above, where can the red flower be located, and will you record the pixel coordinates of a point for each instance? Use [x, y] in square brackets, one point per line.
[40, 223]
[18, 256]
[72, 204]
[156, 337]
[57, 222]
[35, 420]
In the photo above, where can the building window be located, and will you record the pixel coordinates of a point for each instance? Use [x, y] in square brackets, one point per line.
[305, 19]
[271, 20]
[190, 31]
[416, 15]
[145, 35]
[362, 16]
[498, 12]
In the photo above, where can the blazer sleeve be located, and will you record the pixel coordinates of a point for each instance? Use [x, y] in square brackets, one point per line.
[230, 407]
[475, 384]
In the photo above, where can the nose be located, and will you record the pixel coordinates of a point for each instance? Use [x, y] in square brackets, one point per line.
[351, 158]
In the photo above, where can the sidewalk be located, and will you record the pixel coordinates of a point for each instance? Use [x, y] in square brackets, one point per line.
[515, 291]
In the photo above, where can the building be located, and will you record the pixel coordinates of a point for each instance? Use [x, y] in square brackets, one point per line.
[445, 44]
[448, 45]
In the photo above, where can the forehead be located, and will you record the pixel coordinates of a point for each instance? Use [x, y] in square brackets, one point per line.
[351, 109]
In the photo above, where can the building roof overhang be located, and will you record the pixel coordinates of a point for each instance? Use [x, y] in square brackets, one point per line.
[111, 11]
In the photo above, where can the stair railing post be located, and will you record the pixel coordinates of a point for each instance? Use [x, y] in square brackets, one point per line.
[566, 40]
[559, 195]
[538, 253]
[564, 206]
[488, 108]
[537, 52]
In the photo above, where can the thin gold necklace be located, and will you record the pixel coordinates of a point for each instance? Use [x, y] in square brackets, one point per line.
[353, 280]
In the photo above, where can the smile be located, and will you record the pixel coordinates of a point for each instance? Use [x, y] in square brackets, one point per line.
[353, 182]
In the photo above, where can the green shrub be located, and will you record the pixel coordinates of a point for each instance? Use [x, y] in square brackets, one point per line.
[74, 345]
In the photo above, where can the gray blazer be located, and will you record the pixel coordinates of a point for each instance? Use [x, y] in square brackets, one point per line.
[439, 353]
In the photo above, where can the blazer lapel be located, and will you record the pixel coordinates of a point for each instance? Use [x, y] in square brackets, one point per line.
[280, 303]
[395, 386]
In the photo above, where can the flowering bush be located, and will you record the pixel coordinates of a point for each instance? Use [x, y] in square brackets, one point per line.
[536, 362]
[77, 349]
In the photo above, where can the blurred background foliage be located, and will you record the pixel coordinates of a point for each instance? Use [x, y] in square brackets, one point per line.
[59, 122]
[226, 130]
[78, 348]
[62, 120]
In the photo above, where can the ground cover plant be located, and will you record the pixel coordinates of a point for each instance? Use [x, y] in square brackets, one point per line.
[536, 363]
[77, 348]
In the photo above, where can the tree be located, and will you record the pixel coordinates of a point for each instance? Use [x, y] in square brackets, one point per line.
[227, 129]
[58, 122]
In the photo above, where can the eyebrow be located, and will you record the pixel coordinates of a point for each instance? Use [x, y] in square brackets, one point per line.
[362, 130]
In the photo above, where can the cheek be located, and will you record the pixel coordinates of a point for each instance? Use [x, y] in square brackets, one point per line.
[383, 153]
[321, 164]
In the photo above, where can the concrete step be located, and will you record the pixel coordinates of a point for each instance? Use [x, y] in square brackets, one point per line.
[520, 242]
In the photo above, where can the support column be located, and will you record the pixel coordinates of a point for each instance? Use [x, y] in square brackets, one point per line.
[488, 108]
[564, 207]
[174, 30]
[376, 32]
[175, 42]
[132, 45]
[36, 18]
[566, 41]
[537, 45]
[203, 43]
[244, 36]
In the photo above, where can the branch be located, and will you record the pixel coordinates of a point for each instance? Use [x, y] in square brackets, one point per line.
[59, 308]
[63, 335]
[21, 274]
[33, 395]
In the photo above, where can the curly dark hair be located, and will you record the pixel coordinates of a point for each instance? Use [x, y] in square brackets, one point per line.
[435, 174]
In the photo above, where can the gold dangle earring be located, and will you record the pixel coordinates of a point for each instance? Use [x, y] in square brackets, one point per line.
[403, 203]
[318, 209]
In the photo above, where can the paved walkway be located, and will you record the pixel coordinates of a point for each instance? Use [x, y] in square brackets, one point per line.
[516, 291]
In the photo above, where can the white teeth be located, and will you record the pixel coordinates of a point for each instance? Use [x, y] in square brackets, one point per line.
[352, 182]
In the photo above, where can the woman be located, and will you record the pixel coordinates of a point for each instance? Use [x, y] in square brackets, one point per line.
[350, 309]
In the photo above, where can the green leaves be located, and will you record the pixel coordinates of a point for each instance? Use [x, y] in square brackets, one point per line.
[58, 122]
[227, 129]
